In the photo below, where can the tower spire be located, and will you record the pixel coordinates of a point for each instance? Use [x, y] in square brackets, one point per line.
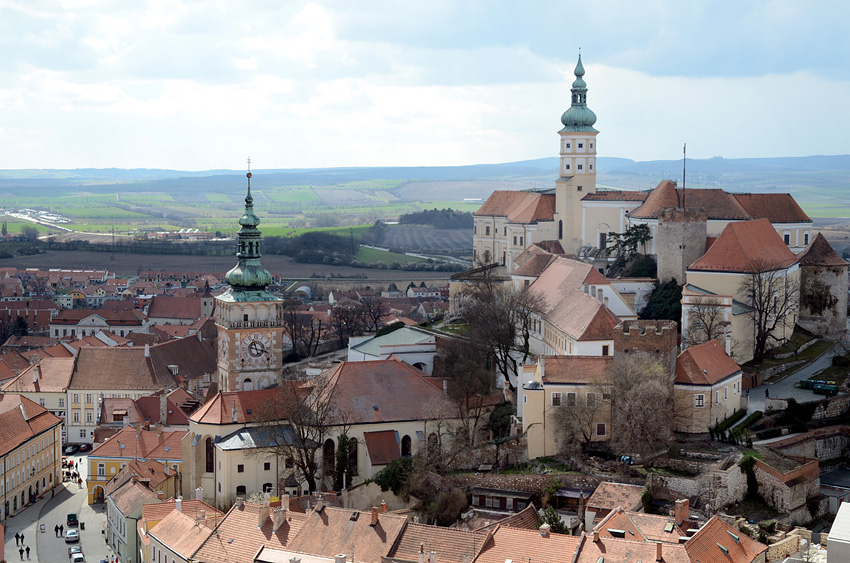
[579, 117]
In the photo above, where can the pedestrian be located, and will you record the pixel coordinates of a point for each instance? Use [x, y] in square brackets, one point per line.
[17, 538]
[22, 538]
[56, 530]
[766, 393]
[28, 553]
[52, 493]
[21, 550]
[61, 529]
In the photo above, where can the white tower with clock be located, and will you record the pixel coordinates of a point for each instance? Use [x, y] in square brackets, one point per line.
[248, 317]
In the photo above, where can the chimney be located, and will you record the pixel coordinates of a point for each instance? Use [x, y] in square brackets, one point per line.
[682, 511]
[178, 504]
[374, 521]
[383, 506]
[163, 408]
[421, 553]
[658, 556]
[595, 536]
[35, 374]
[544, 530]
[445, 387]
[432, 557]
[240, 502]
[199, 493]
[340, 558]
[202, 514]
[166, 469]
[160, 495]
[147, 350]
[264, 515]
[284, 501]
[278, 518]
[266, 498]
[158, 429]
[235, 414]
[466, 558]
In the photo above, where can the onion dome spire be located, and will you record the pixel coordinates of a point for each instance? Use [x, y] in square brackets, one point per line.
[248, 274]
[579, 117]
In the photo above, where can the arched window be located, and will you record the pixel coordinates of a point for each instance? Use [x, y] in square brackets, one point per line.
[328, 454]
[210, 453]
[352, 457]
[406, 447]
[247, 384]
[560, 230]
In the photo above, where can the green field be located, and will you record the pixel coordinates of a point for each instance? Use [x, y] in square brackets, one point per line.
[372, 256]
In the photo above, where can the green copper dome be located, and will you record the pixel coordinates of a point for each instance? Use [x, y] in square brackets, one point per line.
[579, 117]
[248, 279]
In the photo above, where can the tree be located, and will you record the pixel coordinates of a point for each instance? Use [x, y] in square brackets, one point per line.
[774, 300]
[665, 302]
[642, 411]
[706, 321]
[574, 420]
[471, 379]
[374, 311]
[500, 320]
[298, 420]
[30, 233]
[556, 523]
[5, 229]
[304, 330]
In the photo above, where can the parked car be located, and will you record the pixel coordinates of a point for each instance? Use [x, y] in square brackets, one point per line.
[77, 558]
[71, 449]
[72, 536]
[72, 520]
[85, 447]
[74, 549]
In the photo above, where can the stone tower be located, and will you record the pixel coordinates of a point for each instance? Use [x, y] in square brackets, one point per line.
[249, 318]
[679, 241]
[577, 175]
[657, 338]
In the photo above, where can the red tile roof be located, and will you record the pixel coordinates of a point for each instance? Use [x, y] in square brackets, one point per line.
[520, 545]
[616, 195]
[169, 307]
[705, 364]
[820, 253]
[53, 375]
[616, 550]
[451, 544]
[519, 207]
[575, 369]
[180, 534]
[778, 208]
[219, 409]
[703, 546]
[745, 245]
[609, 495]
[382, 446]
[640, 527]
[717, 203]
[190, 507]
[21, 420]
[144, 444]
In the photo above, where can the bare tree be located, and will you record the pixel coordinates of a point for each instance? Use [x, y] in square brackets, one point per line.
[500, 319]
[774, 299]
[298, 420]
[304, 330]
[576, 417]
[374, 312]
[642, 410]
[346, 321]
[471, 381]
[705, 321]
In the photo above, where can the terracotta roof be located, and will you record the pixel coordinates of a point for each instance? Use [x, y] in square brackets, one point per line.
[383, 391]
[703, 546]
[149, 407]
[616, 195]
[130, 497]
[125, 407]
[382, 446]
[115, 368]
[705, 364]
[778, 208]
[113, 317]
[616, 550]
[21, 420]
[520, 545]
[53, 376]
[640, 527]
[144, 444]
[582, 318]
[180, 534]
[171, 307]
[820, 253]
[609, 495]
[190, 507]
[151, 470]
[575, 369]
[332, 531]
[519, 207]
[219, 409]
[526, 519]
[533, 264]
[717, 203]
[451, 544]
[744, 244]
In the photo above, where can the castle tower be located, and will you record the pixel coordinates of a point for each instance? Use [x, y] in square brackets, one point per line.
[577, 176]
[657, 338]
[679, 241]
[249, 318]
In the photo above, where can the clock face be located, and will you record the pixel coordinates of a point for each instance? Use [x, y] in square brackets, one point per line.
[256, 349]
[222, 348]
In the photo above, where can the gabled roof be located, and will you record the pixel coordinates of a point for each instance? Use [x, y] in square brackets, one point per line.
[705, 364]
[640, 527]
[21, 420]
[617, 550]
[717, 203]
[580, 370]
[526, 519]
[142, 444]
[180, 534]
[582, 318]
[451, 544]
[132, 317]
[151, 470]
[332, 530]
[609, 495]
[130, 497]
[173, 307]
[382, 391]
[705, 545]
[778, 208]
[219, 409]
[53, 376]
[519, 545]
[519, 207]
[616, 195]
[744, 245]
[820, 253]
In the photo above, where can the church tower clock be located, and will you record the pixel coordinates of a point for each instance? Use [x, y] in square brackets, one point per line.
[577, 176]
[248, 317]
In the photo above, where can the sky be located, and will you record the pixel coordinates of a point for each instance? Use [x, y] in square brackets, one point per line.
[204, 85]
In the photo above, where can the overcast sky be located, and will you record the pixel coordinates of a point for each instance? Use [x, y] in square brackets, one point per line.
[203, 85]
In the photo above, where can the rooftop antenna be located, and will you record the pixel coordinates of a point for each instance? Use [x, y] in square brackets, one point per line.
[684, 161]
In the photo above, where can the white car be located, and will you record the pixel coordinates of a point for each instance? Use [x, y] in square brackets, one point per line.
[72, 536]
[77, 558]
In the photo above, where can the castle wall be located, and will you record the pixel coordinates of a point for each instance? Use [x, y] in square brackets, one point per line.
[655, 337]
[823, 299]
[679, 241]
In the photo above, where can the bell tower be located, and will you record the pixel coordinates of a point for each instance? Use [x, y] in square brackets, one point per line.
[249, 318]
[577, 176]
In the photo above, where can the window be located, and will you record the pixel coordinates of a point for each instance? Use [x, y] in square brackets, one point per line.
[716, 397]
[475, 229]
[567, 166]
[83, 433]
[591, 145]
[240, 468]
[605, 350]
[241, 490]
[101, 469]
[487, 230]
[76, 397]
[210, 464]
[521, 241]
[726, 392]
[505, 233]
[699, 401]
[568, 145]
[603, 240]
[560, 229]
[267, 466]
[590, 166]
[571, 399]
[580, 166]
[591, 399]
[76, 416]
[581, 145]
[88, 417]
[601, 429]
[514, 240]
[805, 239]
[579, 188]
[787, 238]
[61, 403]
[41, 402]
[556, 399]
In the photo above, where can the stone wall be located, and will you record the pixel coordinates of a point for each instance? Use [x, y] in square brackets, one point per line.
[832, 408]
[717, 485]
[823, 444]
[783, 548]
[679, 241]
[537, 484]
[655, 337]
[817, 315]
[789, 491]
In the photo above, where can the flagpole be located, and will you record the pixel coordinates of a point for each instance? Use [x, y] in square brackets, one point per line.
[684, 161]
